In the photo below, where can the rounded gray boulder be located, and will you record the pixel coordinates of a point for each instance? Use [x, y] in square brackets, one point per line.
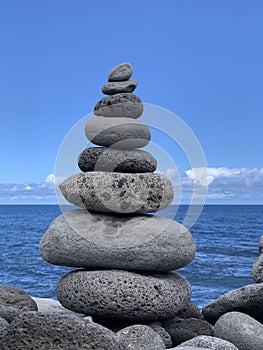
[241, 330]
[142, 242]
[117, 87]
[119, 133]
[247, 299]
[257, 269]
[122, 105]
[122, 295]
[209, 342]
[118, 192]
[122, 71]
[114, 160]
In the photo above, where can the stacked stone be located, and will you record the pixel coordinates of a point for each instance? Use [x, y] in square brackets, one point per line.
[257, 269]
[125, 255]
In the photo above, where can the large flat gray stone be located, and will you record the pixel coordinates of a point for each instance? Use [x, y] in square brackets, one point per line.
[118, 192]
[117, 87]
[248, 299]
[241, 330]
[118, 133]
[95, 240]
[122, 295]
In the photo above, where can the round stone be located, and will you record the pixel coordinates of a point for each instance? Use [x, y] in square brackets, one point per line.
[260, 246]
[247, 299]
[117, 294]
[118, 133]
[122, 71]
[241, 330]
[257, 269]
[143, 242]
[40, 330]
[118, 192]
[209, 342]
[117, 87]
[122, 105]
[114, 160]
[158, 328]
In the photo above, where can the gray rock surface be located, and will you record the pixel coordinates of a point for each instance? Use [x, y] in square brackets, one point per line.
[13, 301]
[51, 331]
[158, 328]
[118, 192]
[257, 269]
[4, 325]
[109, 159]
[184, 329]
[122, 105]
[117, 294]
[260, 246]
[189, 348]
[241, 330]
[208, 342]
[142, 242]
[140, 337]
[248, 299]
[190, 311]
[118, 133]
[117, 87]
[122, 71]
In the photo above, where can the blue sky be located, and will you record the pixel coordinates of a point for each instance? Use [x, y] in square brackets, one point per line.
[202, 60]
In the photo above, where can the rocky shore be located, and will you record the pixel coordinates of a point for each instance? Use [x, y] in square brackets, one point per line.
[125, 291]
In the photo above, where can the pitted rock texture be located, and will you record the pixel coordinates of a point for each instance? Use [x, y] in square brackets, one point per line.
[208, 342]
[118, 133]
[4, 325]
[118, 192]
[247, 299]
[50, 331]
[14, 300]
[122, 295]
[124, 161]
[184, 329]
[257, 269]
[241, 330]
[122, 105]
[190, 311]
[140, 337]
[142, 242]
[158, 328]
[117, 87]
[122, 71]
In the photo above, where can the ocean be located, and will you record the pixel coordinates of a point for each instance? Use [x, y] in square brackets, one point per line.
[226, 237]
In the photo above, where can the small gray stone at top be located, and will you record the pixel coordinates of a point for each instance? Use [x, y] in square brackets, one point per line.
[117, 87]
[122, 71]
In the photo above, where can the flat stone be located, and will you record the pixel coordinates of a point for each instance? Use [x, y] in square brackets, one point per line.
[208, 342]
[142, 242]
[248, 299]
[241, 330]
[13, 301]
[122, 71]
[109, 159]
[260, 246]
[181, 329]
[166, 338]
[257, 269]
[140, 337]
[118, 294]
[117, 87]
[118, 192]
[122, 105]
[119, 133]
[4, 325]
[39, 330]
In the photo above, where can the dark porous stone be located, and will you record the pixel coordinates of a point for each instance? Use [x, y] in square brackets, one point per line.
[257, 269]
[118, 192]
[117, 87]
[122, 295]
[248, 299]
[4, 325]
[260, 246]
[140, 337]
[184, 329]
[142, 242]
[190, 311]
[118, 133]
[122, 71]
[241, 330]
[51, 331]
[109, 159]
[158, 328]
[13, 301]
[208, 342]
[122, 105]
